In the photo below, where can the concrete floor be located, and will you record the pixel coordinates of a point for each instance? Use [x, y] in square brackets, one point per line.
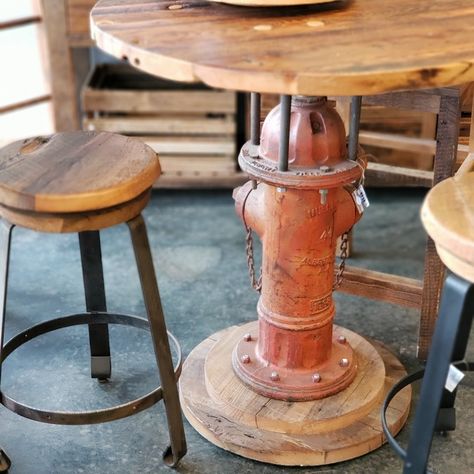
[198, 245]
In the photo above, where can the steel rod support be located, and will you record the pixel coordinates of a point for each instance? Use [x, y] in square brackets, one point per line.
[285, 111]
[354, 126]
[255, 111]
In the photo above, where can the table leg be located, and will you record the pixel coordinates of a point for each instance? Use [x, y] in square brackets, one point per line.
[445, 158]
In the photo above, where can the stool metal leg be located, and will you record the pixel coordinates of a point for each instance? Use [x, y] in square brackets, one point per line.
[159, 335]
[452, 327]
[447, 415]
[93, 275]
[5, 242]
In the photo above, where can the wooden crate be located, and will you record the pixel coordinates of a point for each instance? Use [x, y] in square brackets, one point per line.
[191, 127]
[399, 137]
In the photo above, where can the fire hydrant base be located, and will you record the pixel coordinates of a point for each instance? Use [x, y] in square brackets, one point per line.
[344, 426]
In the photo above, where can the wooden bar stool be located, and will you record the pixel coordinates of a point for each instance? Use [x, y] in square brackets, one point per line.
[84, 182]
[448, 217]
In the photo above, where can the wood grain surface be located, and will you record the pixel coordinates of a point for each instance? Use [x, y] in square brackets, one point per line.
[354, 47]
[448, 217]
[75, 172]
[271, 3]
[345, 426]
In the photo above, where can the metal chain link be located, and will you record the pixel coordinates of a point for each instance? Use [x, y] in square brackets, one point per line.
[342, 265]
[256, 282]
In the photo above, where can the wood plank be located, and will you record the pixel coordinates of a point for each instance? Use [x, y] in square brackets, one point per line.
[63, 81]
[158, 102]
[202, 181]
[192, 145]
[165, 125]
[5, 25]
[404, 143]
[25, 103]
[78, 12]
[382, 286]
[396, 141]
[411, 100]
[379, 174]
[195, 165]
[444, 164]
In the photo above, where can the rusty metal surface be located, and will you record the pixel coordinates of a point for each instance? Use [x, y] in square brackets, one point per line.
[85, 417]
[295, 355]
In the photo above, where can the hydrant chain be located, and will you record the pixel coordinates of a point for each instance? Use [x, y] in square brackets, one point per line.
[256, 282]
[342, 265]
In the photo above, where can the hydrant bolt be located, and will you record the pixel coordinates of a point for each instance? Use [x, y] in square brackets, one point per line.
[246, 359]
[274, 376]
[316, 378]
[344, 362]
[341, 339]
[324, 196]
[247, 337]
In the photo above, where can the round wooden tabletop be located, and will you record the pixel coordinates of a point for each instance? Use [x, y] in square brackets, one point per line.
[352, 47]
[75, 172]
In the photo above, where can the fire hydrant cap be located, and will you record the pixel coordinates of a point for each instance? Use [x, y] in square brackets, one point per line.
[317, 135]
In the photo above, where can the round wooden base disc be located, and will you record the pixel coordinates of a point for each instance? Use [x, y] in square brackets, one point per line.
[344, 426]
[272, 3]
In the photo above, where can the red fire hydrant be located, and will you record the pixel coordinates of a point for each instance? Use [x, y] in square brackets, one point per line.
[299, 215]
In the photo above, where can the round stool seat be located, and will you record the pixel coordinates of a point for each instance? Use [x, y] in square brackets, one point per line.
[448, 217]
[75, 172]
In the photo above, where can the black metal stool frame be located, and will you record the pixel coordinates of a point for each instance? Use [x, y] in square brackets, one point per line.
[435, 409]
[98, 319]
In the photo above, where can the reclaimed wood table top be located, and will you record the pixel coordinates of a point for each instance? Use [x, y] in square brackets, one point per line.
[353, 47]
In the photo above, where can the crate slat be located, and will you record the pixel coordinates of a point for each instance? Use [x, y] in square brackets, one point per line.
[159, 102]
[185, 125]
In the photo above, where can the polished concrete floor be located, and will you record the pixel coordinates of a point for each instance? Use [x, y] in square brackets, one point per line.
[198, 245]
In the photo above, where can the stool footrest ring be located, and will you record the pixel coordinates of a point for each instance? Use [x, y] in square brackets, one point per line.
[93, 416]
[398, 387]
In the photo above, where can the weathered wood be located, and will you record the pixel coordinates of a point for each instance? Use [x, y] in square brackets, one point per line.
[448, 217]
[5, 25]
[25, 103]
[445, 159]
[333, 429]
[63, 80]
[76, 221]
[194, 165]
[193, 146]
[158, 102]
[410, 100]
[382, 286]
[75, 172]
[77, 14]
[378, 174]
[136, 125]
[156, 36]
[397, 142]
[214, 180]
